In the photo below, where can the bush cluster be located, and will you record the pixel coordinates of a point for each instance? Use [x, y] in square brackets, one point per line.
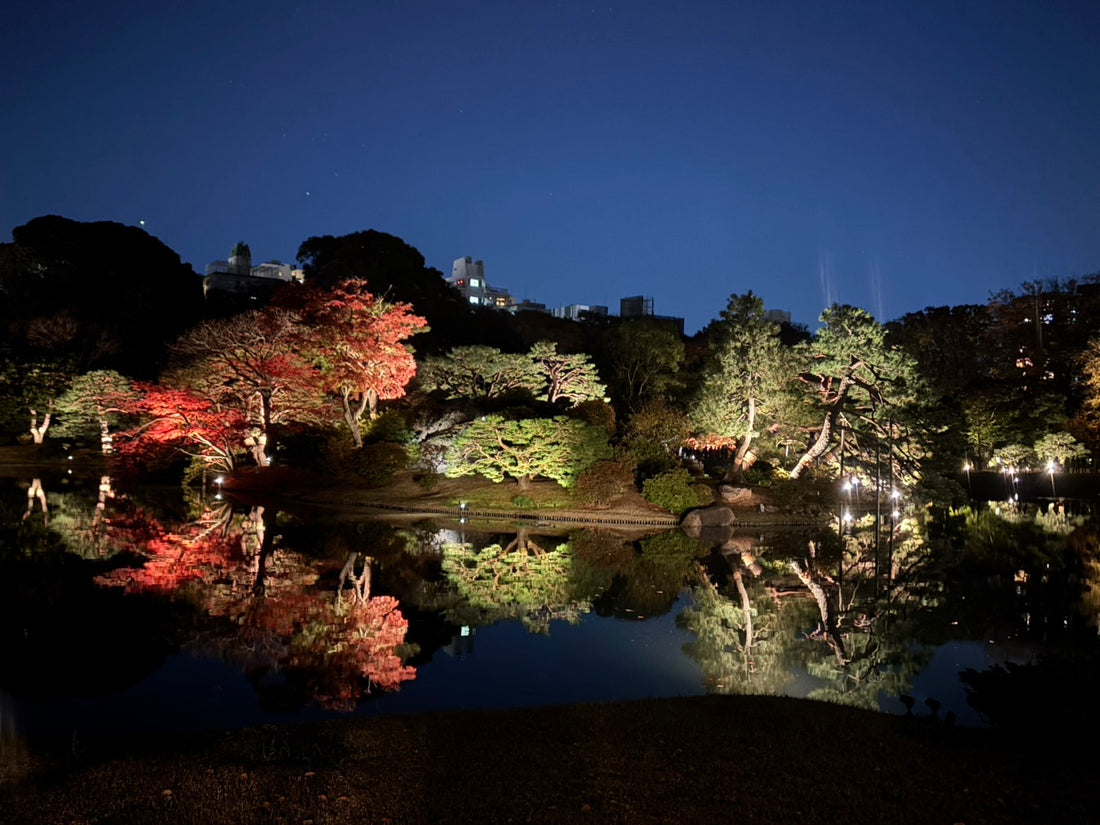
[674, 491]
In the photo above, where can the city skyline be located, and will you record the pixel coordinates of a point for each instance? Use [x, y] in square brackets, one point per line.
[894, 157]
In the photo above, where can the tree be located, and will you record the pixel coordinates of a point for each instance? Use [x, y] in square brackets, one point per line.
[1059, 448]
[396, 273]
[557, 448]
[654, 435]
[643, 358]
[95, 402]
[743, 382]
[179, 421]
[358, 343]
[479, 372]
[40, 382]
[860, 385]
[569, 378]
[1013, 456]
[521, 580]
[251, 363]
[118, 295]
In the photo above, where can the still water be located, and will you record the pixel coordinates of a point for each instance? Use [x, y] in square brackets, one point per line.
[147, 609]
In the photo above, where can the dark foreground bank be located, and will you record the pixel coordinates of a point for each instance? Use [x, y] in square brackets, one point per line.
[708, 759]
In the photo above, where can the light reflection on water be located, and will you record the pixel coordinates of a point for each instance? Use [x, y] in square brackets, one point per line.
[609, 653]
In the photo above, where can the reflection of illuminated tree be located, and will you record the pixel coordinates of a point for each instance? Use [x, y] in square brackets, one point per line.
[520, 580]
[737, 643]
[861, 647]
[283, 620]
[85, 527]
[36, 495]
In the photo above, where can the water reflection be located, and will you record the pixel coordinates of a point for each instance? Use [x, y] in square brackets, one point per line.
[319, 611]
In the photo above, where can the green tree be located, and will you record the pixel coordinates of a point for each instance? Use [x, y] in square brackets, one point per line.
[94, 403]
[497, 448]
[521, 580]
[570, 378]
[743, 383]
[654, 435]
[1059, 448]
[1014, 456]
[643, 361]
[860, 386]
[479, 372]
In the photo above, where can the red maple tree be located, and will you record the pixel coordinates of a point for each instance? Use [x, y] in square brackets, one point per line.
[180, 421]
[358, 342]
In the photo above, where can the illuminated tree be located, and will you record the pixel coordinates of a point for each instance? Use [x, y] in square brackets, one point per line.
[480, 372]
[95, 402]
[521, 580]
[280, 619]
[179, 421]
[859, 385]
[29, 390]
[569, 378]
[251, 363]
[556, 448]
[745, 379]
[357, 341]
[737, 643]
[1014, 456]
[1060, 448]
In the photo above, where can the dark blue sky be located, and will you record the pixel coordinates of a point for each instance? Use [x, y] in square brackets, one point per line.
[889, 155]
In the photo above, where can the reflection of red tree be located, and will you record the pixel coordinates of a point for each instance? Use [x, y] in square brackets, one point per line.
[357, 651]
[282, 619]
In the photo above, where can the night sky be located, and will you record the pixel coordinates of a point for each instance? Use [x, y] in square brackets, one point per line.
[889, 155]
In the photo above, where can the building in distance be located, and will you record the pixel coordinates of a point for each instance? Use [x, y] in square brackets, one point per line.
[468, 277]
[238, 277]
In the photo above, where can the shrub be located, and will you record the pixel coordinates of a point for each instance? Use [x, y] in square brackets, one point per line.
[390, 426]
[374, 463]
[674, 491]
[523, 502]
[595, 412]
[603, 482]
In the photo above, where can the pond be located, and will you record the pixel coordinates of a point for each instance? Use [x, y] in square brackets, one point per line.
[147, 609]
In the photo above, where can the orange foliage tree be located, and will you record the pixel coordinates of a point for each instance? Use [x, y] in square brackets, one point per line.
[358, 342]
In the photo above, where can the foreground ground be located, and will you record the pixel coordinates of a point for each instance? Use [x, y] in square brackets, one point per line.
[709, 759]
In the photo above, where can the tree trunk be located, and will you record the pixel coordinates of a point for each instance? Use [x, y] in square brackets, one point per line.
[38, 433]
[746, 457]
[360, 584]
[828, 618]
[746, 608]
[105, 442]
[35, 493]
